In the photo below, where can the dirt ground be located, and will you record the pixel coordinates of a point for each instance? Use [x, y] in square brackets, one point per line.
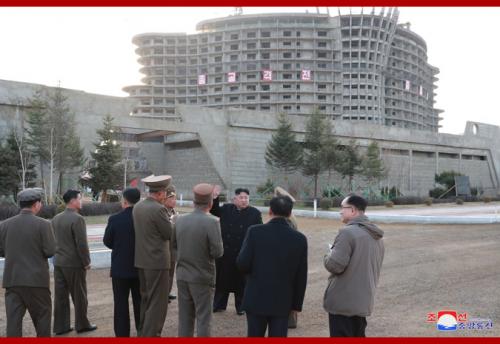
[427, 268]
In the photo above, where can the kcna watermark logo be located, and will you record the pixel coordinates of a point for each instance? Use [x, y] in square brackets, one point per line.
[447, 320]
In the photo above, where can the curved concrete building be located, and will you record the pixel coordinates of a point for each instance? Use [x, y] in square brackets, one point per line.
[356, 67]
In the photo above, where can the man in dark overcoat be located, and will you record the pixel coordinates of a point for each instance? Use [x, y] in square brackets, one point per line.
[235, 218]
[119, 236]
[26, 241]
[274, 257]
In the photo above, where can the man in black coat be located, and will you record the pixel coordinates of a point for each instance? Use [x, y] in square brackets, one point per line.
[120, 238]
[274, 258]
[235, 218]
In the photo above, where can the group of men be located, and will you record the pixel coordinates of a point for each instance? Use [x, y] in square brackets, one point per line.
[215, 250]
[26, 242]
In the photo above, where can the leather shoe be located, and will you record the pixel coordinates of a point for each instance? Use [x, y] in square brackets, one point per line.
[240, 312]
[172, 297]
[64, 332]
[218, 310]
[92, 327]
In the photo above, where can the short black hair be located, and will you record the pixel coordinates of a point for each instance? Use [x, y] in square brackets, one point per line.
[357, 202]
[132, 195]
[240, 190]
[28, 204]
[281, 206]
[69, 195]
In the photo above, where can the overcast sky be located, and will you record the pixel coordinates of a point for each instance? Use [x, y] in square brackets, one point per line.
[90, 49]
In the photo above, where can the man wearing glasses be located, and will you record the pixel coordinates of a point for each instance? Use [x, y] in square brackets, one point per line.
[354, 262]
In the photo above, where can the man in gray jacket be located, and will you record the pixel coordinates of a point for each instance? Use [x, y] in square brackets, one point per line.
[26, 241]
[199, 242]
[71, 262]
[354, 261]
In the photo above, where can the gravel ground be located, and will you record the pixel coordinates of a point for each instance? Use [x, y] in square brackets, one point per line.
[427, 268]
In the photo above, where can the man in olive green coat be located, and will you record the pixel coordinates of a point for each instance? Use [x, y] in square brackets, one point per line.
[153, 231]
[71, 262]
[26, 241]
[170, 203]
[199, 242]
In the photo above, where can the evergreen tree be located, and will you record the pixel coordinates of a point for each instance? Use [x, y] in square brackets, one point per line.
[107, 171]
[329, 149]
[9, 181]
[283, 152]
[312, 161]
[349, 162]
[66, 151]
[372, 166]
[38, 132]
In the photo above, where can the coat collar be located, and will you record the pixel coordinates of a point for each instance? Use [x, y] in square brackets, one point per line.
[279, 220]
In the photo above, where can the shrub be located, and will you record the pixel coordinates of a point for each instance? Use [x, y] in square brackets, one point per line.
[391, 193]
[95, 209]
[404, 200]
[113, 198]
[473, 191]
[8, 210]
[48, 211]
[436, 192]
[325, 203]
[459, 201]
[428, 201]
[265, 189]
[337, 201]
[376, 201]
[486, 199]
[331, 192]
[389, 204]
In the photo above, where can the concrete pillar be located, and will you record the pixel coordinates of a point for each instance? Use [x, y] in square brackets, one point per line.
[410, 174]
[437, 166]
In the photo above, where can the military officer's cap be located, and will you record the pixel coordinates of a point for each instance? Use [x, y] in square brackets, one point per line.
[30, 194]
[203, 193]
[279, 191]
[171, 191]
[157, 183]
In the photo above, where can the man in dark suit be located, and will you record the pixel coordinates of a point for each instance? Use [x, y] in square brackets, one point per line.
[235, 218]
[71, 262]
[26, 241]
[119, 236]
[274, 258]
[199, 243]
[153, 231]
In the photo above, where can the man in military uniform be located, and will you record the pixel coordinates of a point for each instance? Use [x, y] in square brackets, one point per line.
[199, 242]
[26, 241]
[235, 218]
[71, 262]
[170, 203]
[292, 221]
[153, 231]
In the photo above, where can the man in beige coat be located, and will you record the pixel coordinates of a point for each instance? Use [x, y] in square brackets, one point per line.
[354, 263]
[153, 231]
[71, 262]
[198, 241]
[26, 241]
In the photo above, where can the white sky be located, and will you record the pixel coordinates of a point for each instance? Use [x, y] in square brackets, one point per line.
[90, 49]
